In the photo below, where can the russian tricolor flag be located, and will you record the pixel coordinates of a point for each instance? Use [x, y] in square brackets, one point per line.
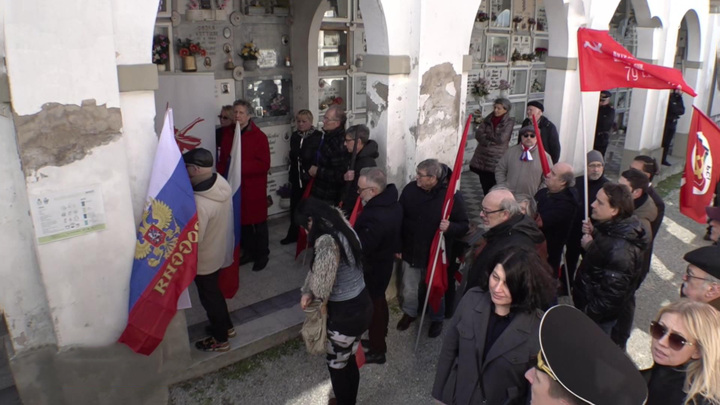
[229, 278]
[166, 248]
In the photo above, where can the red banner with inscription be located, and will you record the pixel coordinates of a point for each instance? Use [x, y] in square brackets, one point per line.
[604, 64]
[702, 167]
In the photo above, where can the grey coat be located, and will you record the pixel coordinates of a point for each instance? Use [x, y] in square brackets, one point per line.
[463, 378]
[492, 143]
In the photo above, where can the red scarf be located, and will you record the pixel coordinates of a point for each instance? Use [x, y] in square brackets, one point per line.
[496, 120]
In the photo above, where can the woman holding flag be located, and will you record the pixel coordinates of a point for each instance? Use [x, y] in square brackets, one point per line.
[336, 278]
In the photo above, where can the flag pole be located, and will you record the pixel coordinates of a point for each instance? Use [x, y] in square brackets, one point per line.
[432, 277]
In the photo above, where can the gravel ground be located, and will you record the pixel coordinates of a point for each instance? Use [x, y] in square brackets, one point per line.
[287, 375]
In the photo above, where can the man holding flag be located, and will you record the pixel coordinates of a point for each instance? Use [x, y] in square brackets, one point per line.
[422, 203]
[212, 197]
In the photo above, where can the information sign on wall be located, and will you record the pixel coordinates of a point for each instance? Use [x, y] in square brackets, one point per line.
[63, 215]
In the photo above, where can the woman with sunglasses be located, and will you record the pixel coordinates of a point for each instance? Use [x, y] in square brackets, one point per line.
[686, 355]
[493, 335]
[493, 135]
[224, 135]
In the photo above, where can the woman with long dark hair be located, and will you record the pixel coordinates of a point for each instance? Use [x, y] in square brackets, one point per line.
[336, 276]
[494, 334]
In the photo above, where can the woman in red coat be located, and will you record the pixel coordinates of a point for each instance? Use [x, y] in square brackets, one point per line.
[253, 188]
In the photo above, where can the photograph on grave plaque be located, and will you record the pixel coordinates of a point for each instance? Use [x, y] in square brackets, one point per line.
[269, 95]
[498, 49]
[500, 14]
[518, 81]
[332, 90]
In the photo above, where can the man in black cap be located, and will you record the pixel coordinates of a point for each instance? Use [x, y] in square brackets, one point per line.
[519, 169]
[596, 178]
[579, 364]
[701, 281]
[214, 207]
[605, 121]
[675, 109]
[548, 131]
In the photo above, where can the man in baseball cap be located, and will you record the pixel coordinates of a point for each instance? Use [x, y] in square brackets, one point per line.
[579, 364]
[701, 281]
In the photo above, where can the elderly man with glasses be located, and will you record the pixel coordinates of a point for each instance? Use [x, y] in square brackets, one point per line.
[519, 169]
[506, 226]
[701, 281]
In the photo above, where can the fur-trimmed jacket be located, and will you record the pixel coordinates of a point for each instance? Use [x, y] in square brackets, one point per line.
[330, 277]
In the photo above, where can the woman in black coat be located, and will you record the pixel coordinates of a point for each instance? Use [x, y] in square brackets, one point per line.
[494, 334]
[304, 144]
[686, 353]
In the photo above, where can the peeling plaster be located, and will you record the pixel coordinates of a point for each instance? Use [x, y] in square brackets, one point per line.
[375, 107]
[440, 102]
[60, 134]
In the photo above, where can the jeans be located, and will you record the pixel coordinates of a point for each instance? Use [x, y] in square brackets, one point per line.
[413, 283]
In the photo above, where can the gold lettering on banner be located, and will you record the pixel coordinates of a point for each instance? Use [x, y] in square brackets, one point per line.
[176, 260]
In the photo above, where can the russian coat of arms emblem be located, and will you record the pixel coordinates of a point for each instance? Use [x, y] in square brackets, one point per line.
[157, 235]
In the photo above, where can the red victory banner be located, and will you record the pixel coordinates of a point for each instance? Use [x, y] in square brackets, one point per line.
[702, 166]
[605, 64]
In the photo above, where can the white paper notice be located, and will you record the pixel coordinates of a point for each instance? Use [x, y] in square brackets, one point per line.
[67, 214]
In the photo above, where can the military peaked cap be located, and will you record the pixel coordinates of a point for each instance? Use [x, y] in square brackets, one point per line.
[585, 361]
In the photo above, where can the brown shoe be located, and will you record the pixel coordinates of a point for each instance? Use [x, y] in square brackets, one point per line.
[405, 322]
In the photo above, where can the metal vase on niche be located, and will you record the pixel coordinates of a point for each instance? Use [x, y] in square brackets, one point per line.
[189, 64]
[250, 64]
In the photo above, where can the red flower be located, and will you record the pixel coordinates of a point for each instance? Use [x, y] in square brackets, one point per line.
[202, 52]
[184, 52]
[194, 49]
[338, 100]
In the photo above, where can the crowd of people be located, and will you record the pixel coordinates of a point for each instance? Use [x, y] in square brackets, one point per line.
[506, 340]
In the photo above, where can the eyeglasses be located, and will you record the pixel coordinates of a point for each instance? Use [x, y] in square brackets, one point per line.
[531, 135]
[326, 118]
[688, 274]
[361, 189]
[224, 118]
[486, 212]
[419, 175]
[348, 140]
[675, 340]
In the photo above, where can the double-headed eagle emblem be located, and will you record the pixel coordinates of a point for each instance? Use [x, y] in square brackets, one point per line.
[157, 235]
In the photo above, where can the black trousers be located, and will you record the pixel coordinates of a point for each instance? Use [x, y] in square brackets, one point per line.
[602, 140]
[215, 306]
[621, 331]
[379, 325]
[255, 240]
[487, 181]
[668, 134]
[295, 198]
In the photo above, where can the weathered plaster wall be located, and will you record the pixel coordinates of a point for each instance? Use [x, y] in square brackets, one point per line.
[65, 55]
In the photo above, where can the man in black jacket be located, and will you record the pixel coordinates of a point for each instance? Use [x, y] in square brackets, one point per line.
[605, 121]
[378, 227]
[363, 153]
[649, 167]
[596, 179]
[548, 131]
[611, 268]
[556, 205]
[332, 158]
[675, 109]
[506, 226]
[422, 202]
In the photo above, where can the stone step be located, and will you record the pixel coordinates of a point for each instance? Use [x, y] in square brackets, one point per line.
[253, 337]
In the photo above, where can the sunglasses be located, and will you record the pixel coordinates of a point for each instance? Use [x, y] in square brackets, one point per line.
[675, 340]
[526, 135]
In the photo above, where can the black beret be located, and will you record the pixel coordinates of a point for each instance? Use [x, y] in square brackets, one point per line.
[537, 105]
[585, 361]
[199, 157]
[706, 258]
[605, 94]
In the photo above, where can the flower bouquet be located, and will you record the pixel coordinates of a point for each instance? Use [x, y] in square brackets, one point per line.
[481, 88]
[249, 51]
[188, 50]
[160, 50]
